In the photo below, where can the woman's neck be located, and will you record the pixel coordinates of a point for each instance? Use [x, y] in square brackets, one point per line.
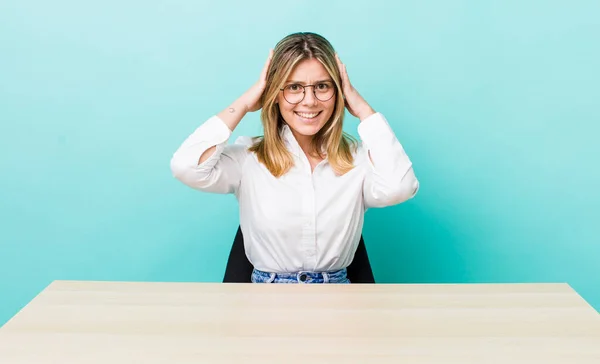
[305, 143]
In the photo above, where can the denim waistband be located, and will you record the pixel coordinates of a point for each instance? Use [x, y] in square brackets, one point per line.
[303, 277]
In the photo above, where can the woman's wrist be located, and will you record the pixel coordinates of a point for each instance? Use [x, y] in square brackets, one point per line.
[234, 113]
[363, 114]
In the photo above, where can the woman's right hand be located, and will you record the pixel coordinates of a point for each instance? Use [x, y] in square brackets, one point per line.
[251, 100]
[253, 97]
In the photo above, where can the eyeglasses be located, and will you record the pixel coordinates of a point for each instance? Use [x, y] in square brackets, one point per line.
[294, 93]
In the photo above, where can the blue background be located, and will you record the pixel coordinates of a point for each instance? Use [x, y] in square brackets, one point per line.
[495, 102]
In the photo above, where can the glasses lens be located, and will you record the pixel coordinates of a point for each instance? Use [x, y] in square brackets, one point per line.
[324, 91]
[293, 93]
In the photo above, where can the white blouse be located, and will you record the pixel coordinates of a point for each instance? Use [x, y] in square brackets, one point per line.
[301, 221]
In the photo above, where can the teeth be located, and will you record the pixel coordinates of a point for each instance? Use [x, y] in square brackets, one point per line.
[307, 115]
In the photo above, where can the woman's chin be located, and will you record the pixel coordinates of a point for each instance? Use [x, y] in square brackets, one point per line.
[306, 129]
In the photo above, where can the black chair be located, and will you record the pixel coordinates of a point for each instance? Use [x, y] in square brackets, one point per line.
[239, 269]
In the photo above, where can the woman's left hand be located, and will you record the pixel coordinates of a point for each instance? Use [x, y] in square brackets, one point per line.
[355, 103]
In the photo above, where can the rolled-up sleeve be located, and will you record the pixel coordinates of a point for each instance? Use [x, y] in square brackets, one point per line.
[221, 172]
[390, 178]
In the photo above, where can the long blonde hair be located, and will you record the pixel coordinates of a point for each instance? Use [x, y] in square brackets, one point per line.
[271, 150]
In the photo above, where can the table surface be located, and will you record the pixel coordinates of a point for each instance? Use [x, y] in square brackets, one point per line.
[178, 323]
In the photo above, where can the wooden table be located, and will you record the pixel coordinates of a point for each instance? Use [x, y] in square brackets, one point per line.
[74, 322]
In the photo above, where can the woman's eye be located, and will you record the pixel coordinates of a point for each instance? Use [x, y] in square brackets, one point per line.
[322, 86]
[294, 87]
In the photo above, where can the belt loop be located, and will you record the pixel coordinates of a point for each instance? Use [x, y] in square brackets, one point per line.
[325, 277]
[271, 278]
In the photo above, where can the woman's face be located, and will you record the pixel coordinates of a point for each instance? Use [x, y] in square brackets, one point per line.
[308, 116]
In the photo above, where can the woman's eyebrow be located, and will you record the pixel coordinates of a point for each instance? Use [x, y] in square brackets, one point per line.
[303, 83]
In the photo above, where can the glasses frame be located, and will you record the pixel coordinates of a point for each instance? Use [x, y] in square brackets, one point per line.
[304, 93]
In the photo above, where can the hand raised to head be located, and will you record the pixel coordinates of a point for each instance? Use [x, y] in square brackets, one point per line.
[355, 103]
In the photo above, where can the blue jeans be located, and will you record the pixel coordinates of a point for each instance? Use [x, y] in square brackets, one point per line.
[338, 276]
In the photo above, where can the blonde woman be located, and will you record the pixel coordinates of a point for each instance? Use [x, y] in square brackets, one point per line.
[304, 186]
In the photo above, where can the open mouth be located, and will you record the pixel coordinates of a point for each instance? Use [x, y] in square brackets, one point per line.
[307, 115]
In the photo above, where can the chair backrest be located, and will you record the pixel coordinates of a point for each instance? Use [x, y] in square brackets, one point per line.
[239, 269]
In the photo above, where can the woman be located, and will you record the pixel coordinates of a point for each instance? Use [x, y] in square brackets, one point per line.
[304, 186]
